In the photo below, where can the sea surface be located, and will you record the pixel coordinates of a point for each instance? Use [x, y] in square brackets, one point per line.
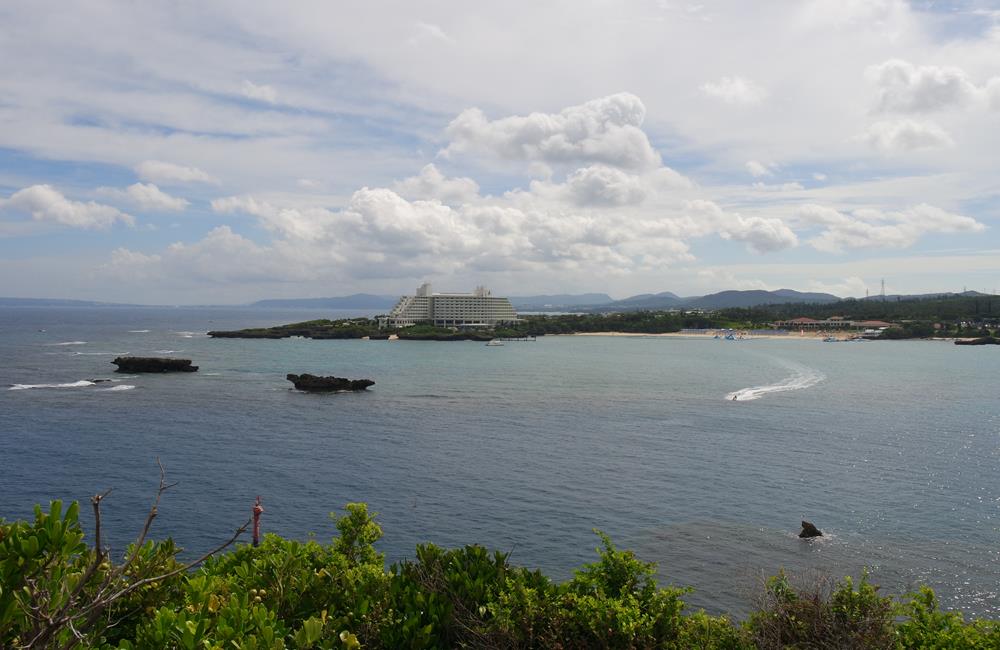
[702, 455]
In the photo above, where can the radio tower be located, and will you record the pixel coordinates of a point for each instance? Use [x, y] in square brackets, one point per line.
[883, 290]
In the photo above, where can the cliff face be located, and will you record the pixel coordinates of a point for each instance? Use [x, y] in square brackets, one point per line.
[153, 364]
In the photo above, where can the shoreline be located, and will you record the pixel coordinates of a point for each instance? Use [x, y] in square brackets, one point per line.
[810, 336]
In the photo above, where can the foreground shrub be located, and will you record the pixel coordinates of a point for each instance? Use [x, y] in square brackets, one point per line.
[56, 592]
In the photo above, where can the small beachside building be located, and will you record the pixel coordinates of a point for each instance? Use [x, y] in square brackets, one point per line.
[477, 309]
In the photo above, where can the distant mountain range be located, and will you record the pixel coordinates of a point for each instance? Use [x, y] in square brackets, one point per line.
[583, 302]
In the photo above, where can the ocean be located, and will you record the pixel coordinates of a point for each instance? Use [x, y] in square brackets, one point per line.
[891, 448]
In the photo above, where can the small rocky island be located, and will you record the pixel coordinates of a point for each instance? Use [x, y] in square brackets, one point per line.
[314, 384]
[153, 364]
[809, 530]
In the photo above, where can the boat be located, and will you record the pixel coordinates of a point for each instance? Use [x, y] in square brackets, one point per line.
[831, 339]
[494, 342]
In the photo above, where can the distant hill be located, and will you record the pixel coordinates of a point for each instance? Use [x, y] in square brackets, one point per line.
[721, 300]
[927, 296]
[727, 299]
[559, 301]
[354, 301]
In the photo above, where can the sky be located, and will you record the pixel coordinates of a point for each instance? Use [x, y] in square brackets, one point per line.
[222, 152]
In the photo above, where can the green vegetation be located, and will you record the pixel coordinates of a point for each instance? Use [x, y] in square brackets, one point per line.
[57, 592]
[432, 333]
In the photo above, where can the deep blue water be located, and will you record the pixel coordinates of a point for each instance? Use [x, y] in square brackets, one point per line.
[893, 448]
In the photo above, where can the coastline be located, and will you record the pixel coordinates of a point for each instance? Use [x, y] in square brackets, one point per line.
[710, 334]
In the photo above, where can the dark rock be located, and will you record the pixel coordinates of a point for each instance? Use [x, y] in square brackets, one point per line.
[379, 336]
[808, 530]
[153, 364]
[314, 384]
[984, 340]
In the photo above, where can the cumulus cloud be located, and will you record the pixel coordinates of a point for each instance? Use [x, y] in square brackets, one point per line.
[762, 235]
[147, 196]
[902, 136]
[261, 93]
[45, 203]
[907, 88]
[294, 223]
[430, 183]
[758, 169]
[605, 130]
[872, 228]
[735, 90]
[601, 185]
[158, 171]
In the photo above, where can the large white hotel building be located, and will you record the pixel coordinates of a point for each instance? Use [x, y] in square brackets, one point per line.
[477, 309]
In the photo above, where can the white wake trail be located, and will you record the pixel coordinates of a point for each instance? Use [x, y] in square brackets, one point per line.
[802, 377]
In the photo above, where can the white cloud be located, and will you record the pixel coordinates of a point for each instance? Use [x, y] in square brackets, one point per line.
[735, 90]
[430, 183]
[601, 185]
[791, 186]
[296, 224]
[762, 235]
[167, 173]
[605, 130]
[758, 169]
[907, 88]
[261, 93]
[147, 196]
[45, 203]
[817, 176]
[902, 136]
[872, 228]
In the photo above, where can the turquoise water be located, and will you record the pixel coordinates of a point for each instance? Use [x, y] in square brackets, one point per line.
[893, 448]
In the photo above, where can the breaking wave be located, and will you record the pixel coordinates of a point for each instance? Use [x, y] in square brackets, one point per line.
[116, 389]
[138, 331]
[70, 343]
[802, 377]
[75, 384]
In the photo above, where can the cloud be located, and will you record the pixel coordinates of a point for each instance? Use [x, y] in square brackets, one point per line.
[600, 185]
[430, 183]
[758, 169]
[147, 196]
[902, 136]
[762, 235]
[872, 228]
[605, 130]
[907, 88]
[166, 173]
[260, 93]
[45, 203]
[735, 90]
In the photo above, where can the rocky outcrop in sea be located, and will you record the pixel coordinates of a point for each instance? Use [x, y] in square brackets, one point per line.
[314, 384]
[153, 364]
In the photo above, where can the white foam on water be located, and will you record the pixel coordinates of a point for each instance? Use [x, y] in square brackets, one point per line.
[802, 377]
[97, 354]
[167, 351]
[138, 331]
[116, 389]
[75, 384]
[189, 335]
[70, 343]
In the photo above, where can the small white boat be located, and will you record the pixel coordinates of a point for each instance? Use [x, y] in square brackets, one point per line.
[494, 342]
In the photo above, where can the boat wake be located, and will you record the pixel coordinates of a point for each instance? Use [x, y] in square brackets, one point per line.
[802, 377]
[75, 384]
